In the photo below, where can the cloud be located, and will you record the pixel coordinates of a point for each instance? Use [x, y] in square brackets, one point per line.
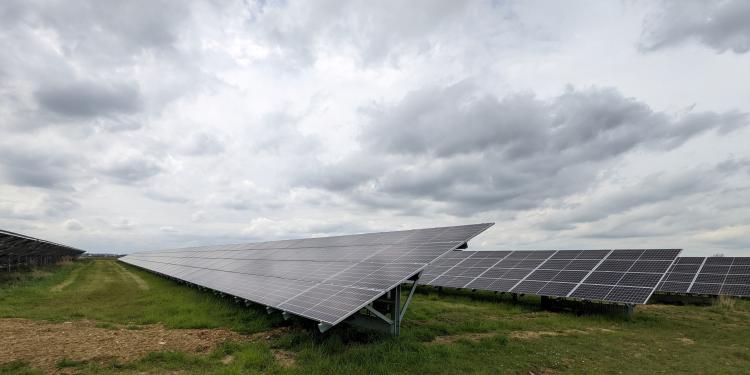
[263, 227]
[28, 164]
[653, 189]
[727, 235]
[373, 33]
[38, 207]
[469, 151]
[720, 25]
[123, 225]
[89, 28]
[88, 99]
[201, 144]
[165, 197]
[130, 169]
[168, 229]
[73, 225]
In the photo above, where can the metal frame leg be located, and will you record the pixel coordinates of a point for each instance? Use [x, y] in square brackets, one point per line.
[385, 314]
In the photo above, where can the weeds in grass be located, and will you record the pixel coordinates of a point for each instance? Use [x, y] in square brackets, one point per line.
[65, 363]
[18, 368]
[726, 303]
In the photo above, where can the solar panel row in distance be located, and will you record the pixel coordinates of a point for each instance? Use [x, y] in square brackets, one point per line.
[627, 276]
[728, 276]
[324, 279]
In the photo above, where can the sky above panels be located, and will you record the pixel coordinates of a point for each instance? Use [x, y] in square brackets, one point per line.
[132, 125]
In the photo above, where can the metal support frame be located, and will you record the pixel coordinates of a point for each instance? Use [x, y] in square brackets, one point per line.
[585, 306]
[683, 299]
[385, 313]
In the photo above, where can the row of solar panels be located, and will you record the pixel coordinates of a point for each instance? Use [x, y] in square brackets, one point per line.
[330, 279]
[709, 276]
[19, 245]
[624, 276]
[323, 279]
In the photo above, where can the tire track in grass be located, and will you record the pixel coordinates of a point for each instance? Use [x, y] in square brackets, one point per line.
[67, 282]
[142, 284]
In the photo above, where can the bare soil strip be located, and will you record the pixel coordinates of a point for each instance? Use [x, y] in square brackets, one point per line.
[529, 335]
[43, 344]
[142, 284]
[451, 339]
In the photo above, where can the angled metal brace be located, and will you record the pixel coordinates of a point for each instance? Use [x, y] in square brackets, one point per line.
[378, 314]
[286, 315]
[408, 299]
[270, 310]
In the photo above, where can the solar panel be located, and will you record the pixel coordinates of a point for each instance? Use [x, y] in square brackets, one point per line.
[710, 276]
[18, 249]
[325, 279]
[626, 276]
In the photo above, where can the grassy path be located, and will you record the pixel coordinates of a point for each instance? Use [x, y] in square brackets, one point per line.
[106, 291]
[442, 334]
[142, 284]
[71, 278]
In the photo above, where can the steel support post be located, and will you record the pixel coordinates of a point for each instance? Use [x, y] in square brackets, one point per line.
[385, 313]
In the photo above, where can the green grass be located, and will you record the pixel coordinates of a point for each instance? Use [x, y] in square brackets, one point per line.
[102, 290]
[656, 339]
[17, 368]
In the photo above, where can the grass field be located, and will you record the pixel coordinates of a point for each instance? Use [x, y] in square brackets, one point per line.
[442, 334]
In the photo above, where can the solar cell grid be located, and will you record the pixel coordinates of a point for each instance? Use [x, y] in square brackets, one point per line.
[325, 279]
[626, 276]
[709, 276]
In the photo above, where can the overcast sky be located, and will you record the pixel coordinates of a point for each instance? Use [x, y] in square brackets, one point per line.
[133, 125]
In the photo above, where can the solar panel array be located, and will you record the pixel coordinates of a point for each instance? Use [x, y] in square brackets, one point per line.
[15, 247]
[709, 276]
[325, 279]
[627, 276]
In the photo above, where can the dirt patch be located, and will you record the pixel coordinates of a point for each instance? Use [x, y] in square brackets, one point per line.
[530, 335]
[142, 284]
[686, 341]
[285, 358]
[271, 334]
[43, 344]
[442, 340]
[542, 371]
[227, 359]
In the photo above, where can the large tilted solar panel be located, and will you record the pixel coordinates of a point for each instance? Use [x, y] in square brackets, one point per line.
[325, 279]
[709, 276]
[15, 244]
[627, 276]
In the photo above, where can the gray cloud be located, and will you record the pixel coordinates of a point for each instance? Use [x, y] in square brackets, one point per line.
[376, 32]
[88, 99]
[131, 169]
[165, 197]
[101, 30]
[580, 124]
[204, 144]
[470, 151]
[73, 225]
[721, 25]
[652, 189]
[33, 166]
